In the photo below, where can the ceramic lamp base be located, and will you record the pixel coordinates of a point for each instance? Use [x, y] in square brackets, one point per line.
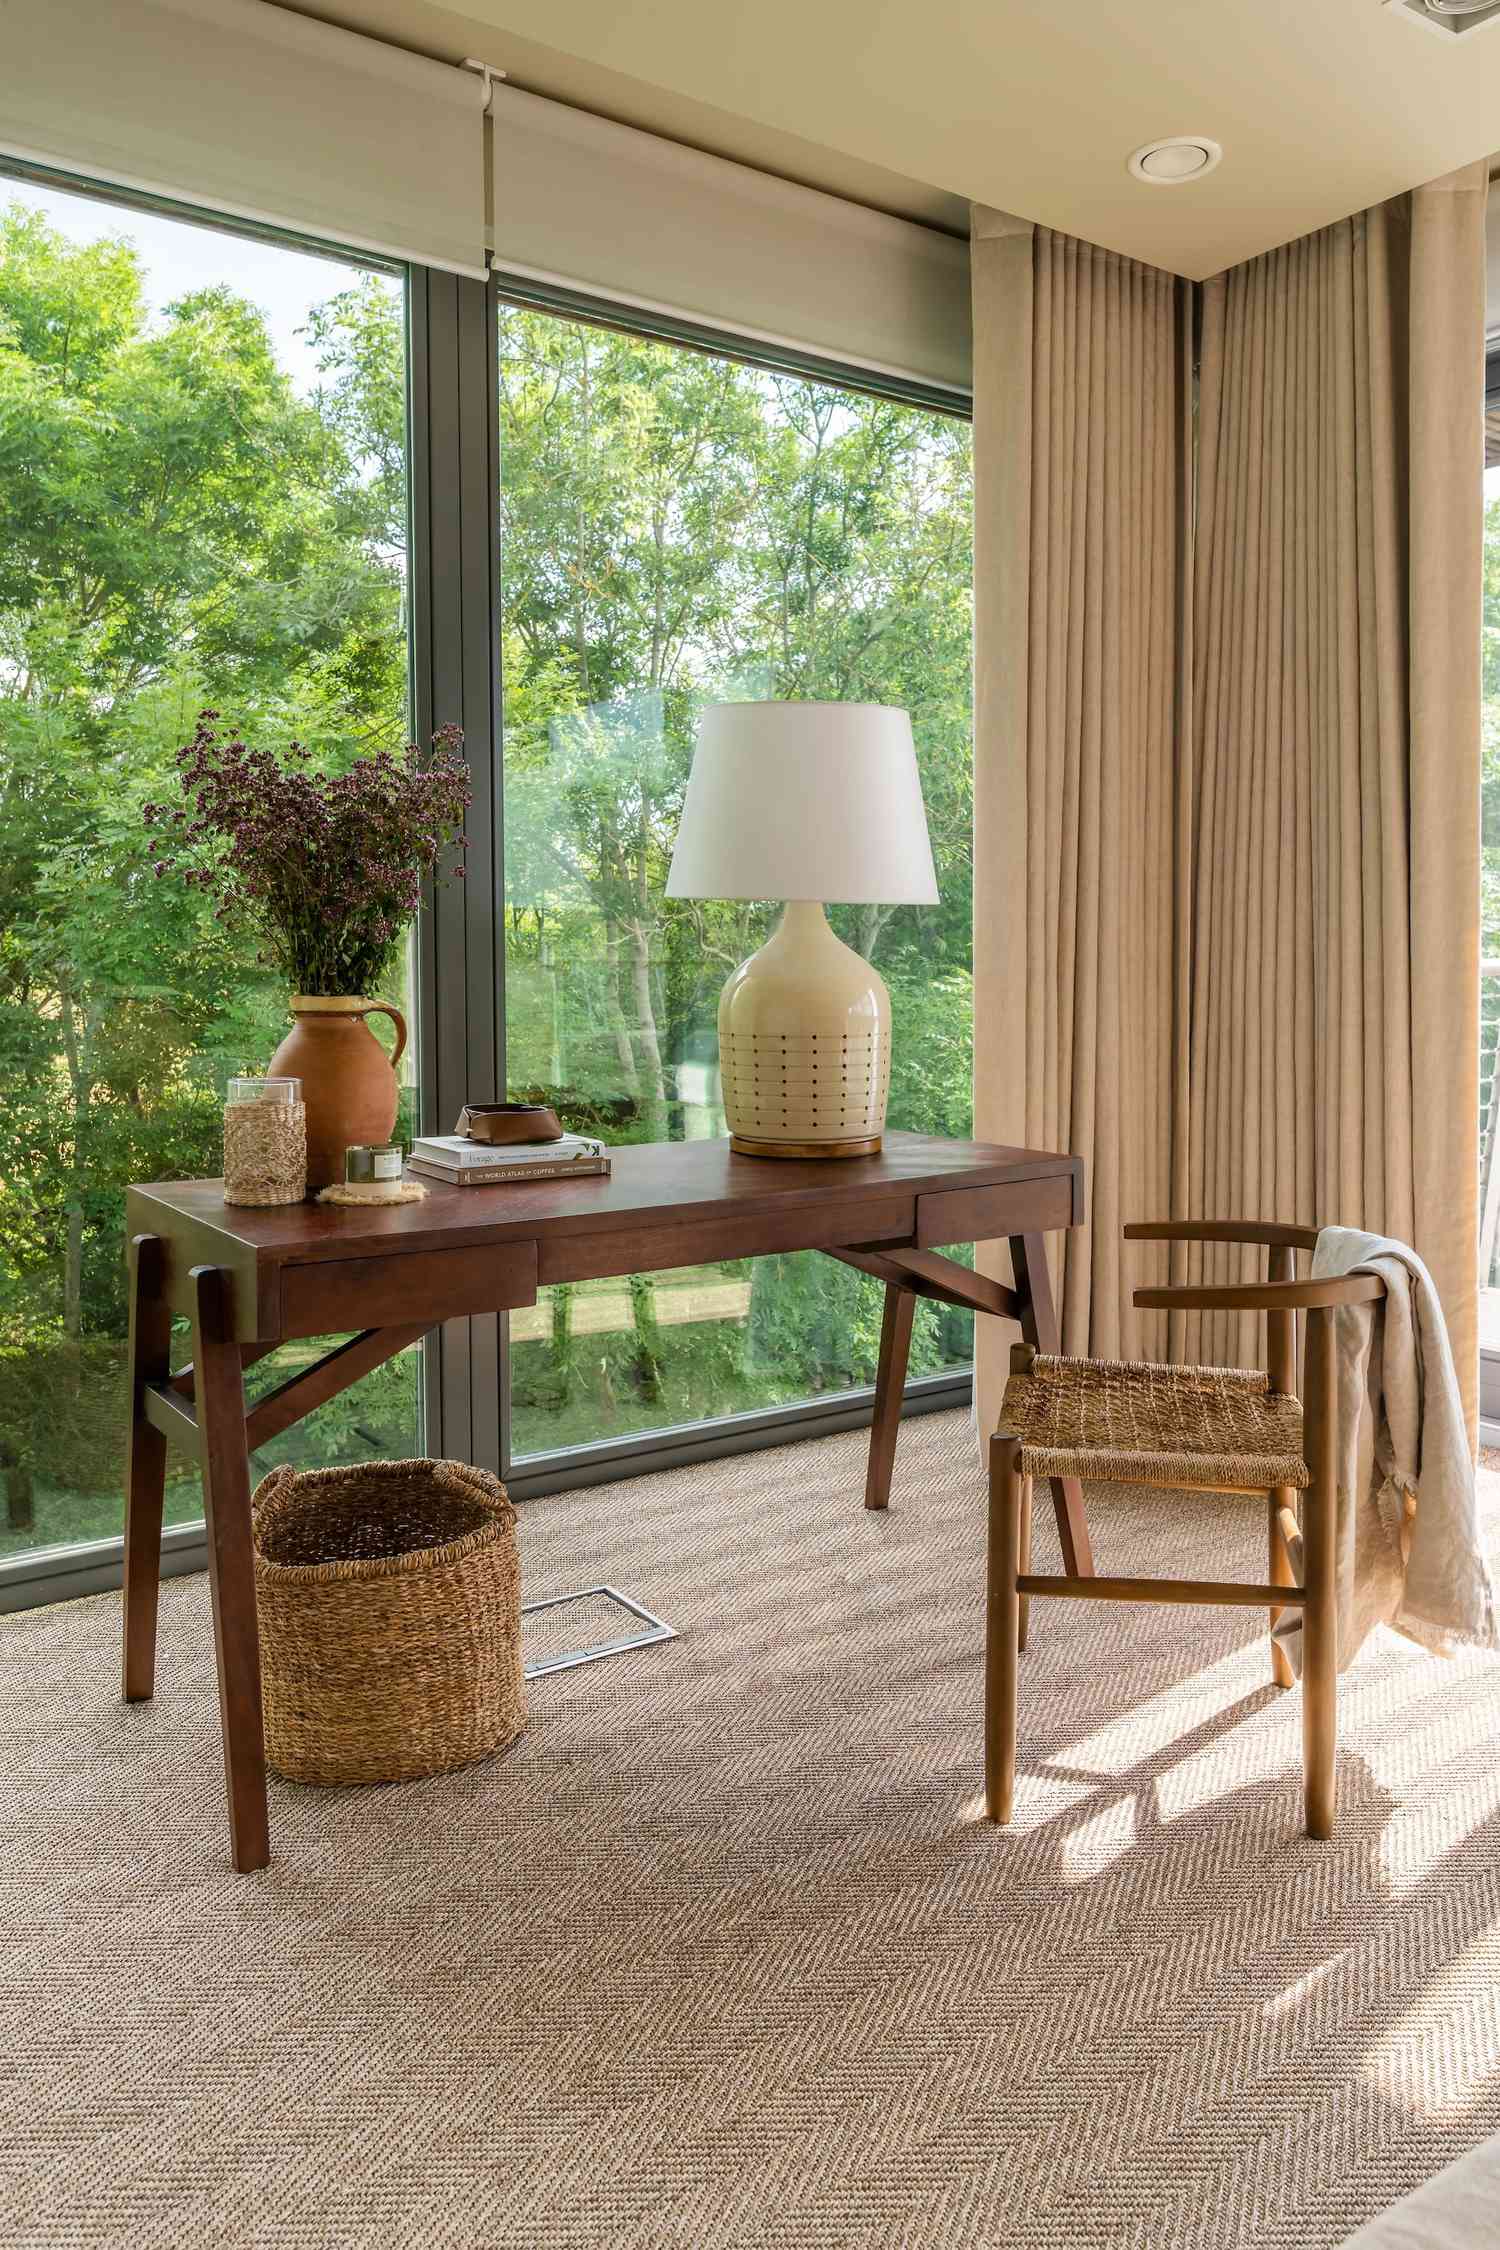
[805, 1045]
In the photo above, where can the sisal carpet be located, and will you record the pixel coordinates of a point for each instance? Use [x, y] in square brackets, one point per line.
[722, 1952]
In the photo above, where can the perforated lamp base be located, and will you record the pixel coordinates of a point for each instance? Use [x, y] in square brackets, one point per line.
[805, 1045]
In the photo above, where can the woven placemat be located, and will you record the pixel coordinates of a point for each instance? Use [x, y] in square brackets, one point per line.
[373, 1191]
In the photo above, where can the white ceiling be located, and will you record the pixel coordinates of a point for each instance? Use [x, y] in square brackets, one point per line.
[1322, 106]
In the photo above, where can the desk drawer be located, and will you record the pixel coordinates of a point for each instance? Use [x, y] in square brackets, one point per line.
[352, 1293]
[654, 1249]
[984, 1214]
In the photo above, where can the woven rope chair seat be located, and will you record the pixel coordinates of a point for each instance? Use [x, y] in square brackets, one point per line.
[1212, 1429]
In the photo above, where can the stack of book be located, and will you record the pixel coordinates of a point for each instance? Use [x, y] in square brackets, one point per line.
[460, 1162]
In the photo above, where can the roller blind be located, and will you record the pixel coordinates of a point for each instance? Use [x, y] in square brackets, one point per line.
[247, 109]
[622, 215]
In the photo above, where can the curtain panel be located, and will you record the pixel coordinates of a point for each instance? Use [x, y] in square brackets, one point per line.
[1336, 737]
[1227, 722]
[1081, 480]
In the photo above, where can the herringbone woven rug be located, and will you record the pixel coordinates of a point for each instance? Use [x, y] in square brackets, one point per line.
[721, 1952]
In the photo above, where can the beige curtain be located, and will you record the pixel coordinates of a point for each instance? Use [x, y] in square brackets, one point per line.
[1079, 836]
[1335, 813]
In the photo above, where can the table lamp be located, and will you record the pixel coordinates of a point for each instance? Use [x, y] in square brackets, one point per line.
[804, 802]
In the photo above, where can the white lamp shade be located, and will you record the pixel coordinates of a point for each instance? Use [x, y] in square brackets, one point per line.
[815, 801]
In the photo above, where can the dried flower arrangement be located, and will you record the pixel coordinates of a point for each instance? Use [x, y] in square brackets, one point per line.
[326, 868]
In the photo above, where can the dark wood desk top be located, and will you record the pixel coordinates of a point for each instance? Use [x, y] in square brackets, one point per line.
[656, 1181]
[666, 1203]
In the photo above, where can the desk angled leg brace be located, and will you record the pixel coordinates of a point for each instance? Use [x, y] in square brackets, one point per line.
[910, 1274]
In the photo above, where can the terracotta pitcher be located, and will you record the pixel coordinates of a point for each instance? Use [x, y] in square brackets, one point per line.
[348, 1084]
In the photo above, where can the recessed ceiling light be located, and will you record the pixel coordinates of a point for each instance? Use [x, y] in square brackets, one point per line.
[1173, 162]
[1450, 19]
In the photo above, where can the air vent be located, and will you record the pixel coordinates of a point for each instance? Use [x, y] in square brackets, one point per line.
[1450, 19]
[1173, 162]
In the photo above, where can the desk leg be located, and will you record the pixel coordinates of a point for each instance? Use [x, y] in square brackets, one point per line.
[146, 1470]
[890, 1387]
[220, 1392]
[1028, 1254]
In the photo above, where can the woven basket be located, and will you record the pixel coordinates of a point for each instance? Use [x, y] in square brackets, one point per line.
[390, 1625]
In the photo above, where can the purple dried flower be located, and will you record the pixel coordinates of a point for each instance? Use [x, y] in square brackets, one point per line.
[326, 868]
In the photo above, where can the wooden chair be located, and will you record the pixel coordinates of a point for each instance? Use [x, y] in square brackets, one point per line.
[1202, 1429]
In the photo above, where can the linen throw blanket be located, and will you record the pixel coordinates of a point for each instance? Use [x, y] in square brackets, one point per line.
[1407, 1550]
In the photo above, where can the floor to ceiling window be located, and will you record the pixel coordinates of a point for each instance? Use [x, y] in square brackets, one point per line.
[202, 501]
[678, 528]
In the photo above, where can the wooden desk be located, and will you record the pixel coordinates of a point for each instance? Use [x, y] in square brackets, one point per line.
[252, 1279]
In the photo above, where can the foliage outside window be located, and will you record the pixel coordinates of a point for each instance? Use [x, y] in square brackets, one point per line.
[679, 528]
[202, 500]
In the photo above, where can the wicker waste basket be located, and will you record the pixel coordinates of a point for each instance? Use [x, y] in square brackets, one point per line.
[390, 1619]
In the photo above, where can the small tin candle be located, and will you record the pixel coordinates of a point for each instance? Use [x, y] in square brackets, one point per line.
[370, 1162]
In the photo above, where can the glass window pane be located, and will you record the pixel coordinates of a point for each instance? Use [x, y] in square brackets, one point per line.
[678, 529]
[202, 501]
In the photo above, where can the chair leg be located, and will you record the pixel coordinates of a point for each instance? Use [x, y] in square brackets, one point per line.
[1024, 1562]
[1320, 1614]
[1281, 1574]
[1002, 1625]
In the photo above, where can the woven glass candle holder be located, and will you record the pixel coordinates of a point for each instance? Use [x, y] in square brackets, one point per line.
[265, 1141]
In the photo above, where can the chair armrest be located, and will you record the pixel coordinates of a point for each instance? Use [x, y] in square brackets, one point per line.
[1269, 1232]
[1266, 1296]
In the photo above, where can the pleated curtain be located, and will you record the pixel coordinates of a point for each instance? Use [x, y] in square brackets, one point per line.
[1336, 743]
[1080, 490]
[1227, 744]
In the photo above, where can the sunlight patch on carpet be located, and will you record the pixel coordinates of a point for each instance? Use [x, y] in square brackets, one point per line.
[1100, 1841]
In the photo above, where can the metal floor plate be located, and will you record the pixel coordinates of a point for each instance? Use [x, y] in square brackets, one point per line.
[595, 1652]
